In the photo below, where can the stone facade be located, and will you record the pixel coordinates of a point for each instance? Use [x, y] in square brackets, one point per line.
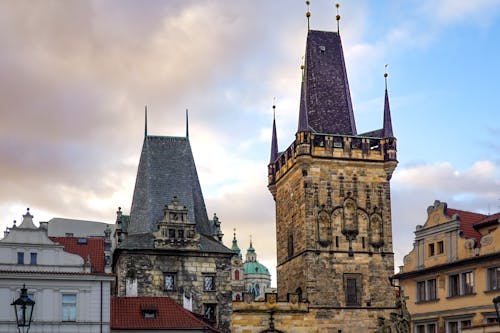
[150, 269]
[333, 217]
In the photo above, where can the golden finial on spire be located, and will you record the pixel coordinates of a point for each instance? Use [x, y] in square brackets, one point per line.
[308, 14]
[337, 5]
[302, 66]
[274, 107]
[385, 76]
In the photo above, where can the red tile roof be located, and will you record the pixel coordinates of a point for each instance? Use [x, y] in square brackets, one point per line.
[467, 221]
[488, 220]
[127, 313]
[94, 248]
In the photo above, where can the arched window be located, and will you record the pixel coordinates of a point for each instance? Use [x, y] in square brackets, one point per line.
[236, 274]
[238, 298]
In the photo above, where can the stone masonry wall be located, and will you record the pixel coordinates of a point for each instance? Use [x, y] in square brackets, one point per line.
[189, 269]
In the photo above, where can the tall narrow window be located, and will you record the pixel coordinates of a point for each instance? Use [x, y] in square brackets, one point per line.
[209, 282]
[169, 281]
[420, 291]
[351, 292]
[209, 311]
[131, 284]
[20, 258]
[431, 250]
[468, 283]
[69, 307]
[454, 285]
[493, 282]
[290, 245]
[440, 246]
[33, 258]
[236, 275]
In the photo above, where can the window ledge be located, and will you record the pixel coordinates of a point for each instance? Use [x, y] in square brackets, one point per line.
[492, 291]
[428, 301]
[458, 296]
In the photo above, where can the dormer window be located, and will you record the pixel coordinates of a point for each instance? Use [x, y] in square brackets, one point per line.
[149, 313]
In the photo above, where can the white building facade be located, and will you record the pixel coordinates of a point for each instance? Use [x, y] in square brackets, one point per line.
[69, 296]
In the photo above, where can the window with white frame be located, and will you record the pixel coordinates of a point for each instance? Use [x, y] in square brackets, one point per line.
[461, 284]
[493, 278]
[69, 307]
[426, 290]
[425, 328]
[456, 325]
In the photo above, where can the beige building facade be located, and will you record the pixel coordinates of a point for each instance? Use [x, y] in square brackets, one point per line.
[453, 272]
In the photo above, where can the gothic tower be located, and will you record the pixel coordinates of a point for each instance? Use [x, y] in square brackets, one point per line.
[332, 192]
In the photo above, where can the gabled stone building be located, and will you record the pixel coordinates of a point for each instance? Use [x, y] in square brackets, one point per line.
[167, 246]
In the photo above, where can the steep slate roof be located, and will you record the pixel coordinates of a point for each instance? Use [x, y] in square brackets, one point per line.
[94, 248]
[166, 169]
[325, 92]
[126, 313]
[387, 130]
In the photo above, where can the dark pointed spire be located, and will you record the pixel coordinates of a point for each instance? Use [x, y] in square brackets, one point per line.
[145, 120]
[387, 130]
[325, 95]
[303, 121]
[274, 139]
[187, 124]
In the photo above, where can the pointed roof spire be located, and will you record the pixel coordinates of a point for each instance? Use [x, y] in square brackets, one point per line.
[274, 139]
[187, 123]
[308, 15]
[145, 120]
[387, 130]
[235, 248]
[337, 5]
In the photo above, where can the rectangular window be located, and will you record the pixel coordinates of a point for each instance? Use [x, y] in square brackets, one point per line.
[421, 291]
[468, 283]
[351, 292]
[426, 290]
[452, 327]
[209, 311]
[431, 249]
[169, 281]
[171, 233]
[431, 328]
[493, 279]
[440, 247]
[454, 285]
[461, 284]
[149, 313]
[209, 282]
[180, 233]
[420, 329]
[69, 307]
[33, 258]
[465, 323]
[20, 258]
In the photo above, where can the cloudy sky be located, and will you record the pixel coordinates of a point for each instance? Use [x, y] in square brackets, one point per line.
[75, 77]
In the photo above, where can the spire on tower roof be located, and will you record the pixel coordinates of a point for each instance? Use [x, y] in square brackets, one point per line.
[387, 129]
[337, 5]
[145, 120]
[274, 139]
[187, 124]
[235, 248]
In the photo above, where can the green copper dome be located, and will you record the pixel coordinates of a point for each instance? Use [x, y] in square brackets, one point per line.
[254, 267]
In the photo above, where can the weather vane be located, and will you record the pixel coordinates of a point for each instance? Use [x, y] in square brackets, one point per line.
[308, 14]
[386, 75]
[337, 5]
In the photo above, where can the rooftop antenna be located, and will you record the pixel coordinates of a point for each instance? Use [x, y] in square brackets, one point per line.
[337, 5]
[308, 14]
[145, 120]
[386, 75]
[187, 124]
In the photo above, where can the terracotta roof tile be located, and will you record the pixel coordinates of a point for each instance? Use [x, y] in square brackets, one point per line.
[127, 313]
[488, 220]
[94, 247]
[467, 221]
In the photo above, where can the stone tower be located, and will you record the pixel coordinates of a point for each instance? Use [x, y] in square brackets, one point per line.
[332, 192]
